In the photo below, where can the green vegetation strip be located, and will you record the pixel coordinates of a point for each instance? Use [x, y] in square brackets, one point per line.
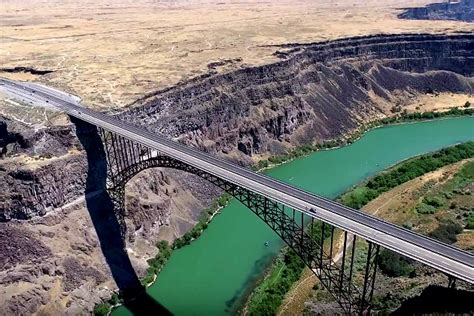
[269, 294]
[403, 117]
[406, 171]
[286, 270]
[468, 173]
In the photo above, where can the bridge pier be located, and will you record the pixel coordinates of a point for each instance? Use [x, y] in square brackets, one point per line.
[451, 282]
[369, 279]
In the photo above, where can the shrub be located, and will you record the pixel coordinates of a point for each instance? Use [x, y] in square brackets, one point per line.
[434, 201]
[408, 225]
[447, 232]
[150, 275]
[393, 264]
[470, 222]
[178, 243]
[270, 299]
[396, 109]
[423, 208]
[196, 232]
[187, 238]
[359, 197]
[101, 309]
[115, 299]
[262, 164]
[223, 200]
[274, 159]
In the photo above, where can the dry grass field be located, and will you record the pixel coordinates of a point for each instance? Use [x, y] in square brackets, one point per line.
[111, 52]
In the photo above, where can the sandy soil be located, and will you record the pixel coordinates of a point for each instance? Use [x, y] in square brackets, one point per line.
[439, 102]
[293, 303]
[112, 52]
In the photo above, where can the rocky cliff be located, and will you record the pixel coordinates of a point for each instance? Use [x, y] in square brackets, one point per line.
[462, 10]
[318, 92]
[52, 243]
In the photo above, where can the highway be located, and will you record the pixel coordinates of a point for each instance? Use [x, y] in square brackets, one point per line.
[440, 256]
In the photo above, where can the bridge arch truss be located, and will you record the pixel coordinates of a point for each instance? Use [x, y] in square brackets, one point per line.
[125, 159]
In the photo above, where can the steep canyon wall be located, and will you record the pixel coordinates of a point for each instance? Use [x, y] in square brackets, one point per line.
[318, 92]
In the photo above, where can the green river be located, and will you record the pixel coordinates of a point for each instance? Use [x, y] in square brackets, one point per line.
[213, 274]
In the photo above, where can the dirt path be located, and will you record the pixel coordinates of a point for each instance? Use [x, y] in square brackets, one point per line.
[296, 297]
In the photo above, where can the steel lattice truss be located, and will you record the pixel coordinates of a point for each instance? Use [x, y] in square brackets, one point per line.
[125, 159]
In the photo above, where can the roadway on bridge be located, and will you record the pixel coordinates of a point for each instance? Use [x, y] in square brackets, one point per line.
[445, 258]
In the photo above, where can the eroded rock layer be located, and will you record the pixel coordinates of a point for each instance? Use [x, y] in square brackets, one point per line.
[320, 91]
[462, 10]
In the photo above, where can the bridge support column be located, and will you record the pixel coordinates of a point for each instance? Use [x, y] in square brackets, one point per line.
[122, 157]
[451, 282]
[369, 279]
[117, 195]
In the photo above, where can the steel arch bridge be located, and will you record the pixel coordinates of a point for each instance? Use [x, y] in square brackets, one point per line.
[125, 159]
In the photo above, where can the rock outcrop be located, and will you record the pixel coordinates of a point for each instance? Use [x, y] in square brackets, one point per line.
[462, 10]
[35, 189]
[320, 91]
[46, 142]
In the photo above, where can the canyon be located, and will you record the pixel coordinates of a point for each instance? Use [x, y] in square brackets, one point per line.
[316, 92]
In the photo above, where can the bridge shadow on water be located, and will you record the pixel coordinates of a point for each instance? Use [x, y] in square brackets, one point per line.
[107, 225]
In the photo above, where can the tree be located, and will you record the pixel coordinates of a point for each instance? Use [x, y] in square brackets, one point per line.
[115, 299]
[162, 245]
[101, 309]
[447, 232]
[393, 264]
[467, 104]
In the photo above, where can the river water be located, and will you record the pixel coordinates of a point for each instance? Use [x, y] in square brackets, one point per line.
[214, 273]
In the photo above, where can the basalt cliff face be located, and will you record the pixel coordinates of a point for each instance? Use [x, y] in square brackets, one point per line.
[462, 10]
[52, 251]
[320, 91]
[316, 92]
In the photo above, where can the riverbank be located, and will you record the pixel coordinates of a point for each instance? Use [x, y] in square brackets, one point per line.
[404, 117]
[269, 294]
[439, 205]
